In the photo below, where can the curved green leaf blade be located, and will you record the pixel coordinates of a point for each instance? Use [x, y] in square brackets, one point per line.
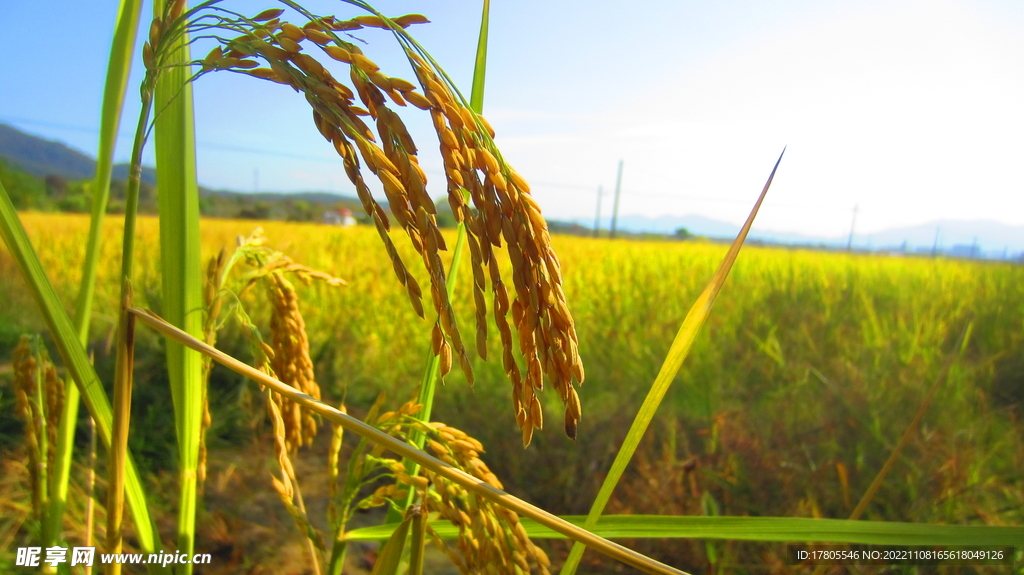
[180, 267]
[390, 557]
[76, 361]
[782, 529]
[118, 67]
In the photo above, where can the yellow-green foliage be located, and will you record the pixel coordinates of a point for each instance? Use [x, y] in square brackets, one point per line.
[810, 361]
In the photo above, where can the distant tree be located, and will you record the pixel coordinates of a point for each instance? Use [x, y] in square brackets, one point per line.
[56, 186]
[683, 234]
[445, 217]
[299, 211]
[258, 211]
[75, 203]
[147, 197]
[25, 190]
[118, 189]
[205, 205]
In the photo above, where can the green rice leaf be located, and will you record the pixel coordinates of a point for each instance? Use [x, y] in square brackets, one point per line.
[390, 557]
[407, 451]
[118, 67]
[476, 97]
[782, 529]
[181, 268]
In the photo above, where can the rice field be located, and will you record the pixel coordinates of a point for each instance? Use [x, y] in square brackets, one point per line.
[801, 383]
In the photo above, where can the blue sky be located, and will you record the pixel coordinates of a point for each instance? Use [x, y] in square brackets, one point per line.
[910, 110]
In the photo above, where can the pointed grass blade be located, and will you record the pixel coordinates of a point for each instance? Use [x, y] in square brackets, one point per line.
[781, 529]
[390, 557]
[914, 424]
[688, 331]
[118, 68]
[76, 361]
[476, 97]
[405, 450]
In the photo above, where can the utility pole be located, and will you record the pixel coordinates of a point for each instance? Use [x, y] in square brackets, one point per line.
[935, 245]
[618, 192]
[853, 224]
[597, 218]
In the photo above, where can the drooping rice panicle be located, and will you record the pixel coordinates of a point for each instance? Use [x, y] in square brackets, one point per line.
[475, 174]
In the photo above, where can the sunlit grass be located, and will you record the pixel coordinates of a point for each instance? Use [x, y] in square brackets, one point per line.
[809, 360]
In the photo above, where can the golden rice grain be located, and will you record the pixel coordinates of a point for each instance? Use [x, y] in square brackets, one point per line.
[371, 21]
[364, 63]
[148, 59]
[269, 14]
[316, 36]
[338, 53]
[410, 19]
[293, 32]
[418, 100]
[346, 25]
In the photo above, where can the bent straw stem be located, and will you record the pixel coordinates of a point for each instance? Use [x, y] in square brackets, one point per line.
[403, 449]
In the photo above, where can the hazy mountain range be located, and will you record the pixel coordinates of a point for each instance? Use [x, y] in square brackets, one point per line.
[43, 157]
[991, 238]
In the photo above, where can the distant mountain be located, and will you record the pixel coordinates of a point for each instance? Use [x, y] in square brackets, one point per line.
[988, 238]
[697, 225]
[44, 157]
[311, 197]
[36, 158]
[41, 157]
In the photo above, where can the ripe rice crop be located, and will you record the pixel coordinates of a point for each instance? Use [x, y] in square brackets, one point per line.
[806, 374]
[798, 387]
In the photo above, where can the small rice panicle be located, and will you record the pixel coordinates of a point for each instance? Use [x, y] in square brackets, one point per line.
[35, 374]
[291, 361]
[491, 539]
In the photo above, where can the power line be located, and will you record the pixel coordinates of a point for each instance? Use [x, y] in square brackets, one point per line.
[201, 143]
[539, 184]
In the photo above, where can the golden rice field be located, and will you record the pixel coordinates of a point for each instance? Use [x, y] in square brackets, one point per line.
[804, 378]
